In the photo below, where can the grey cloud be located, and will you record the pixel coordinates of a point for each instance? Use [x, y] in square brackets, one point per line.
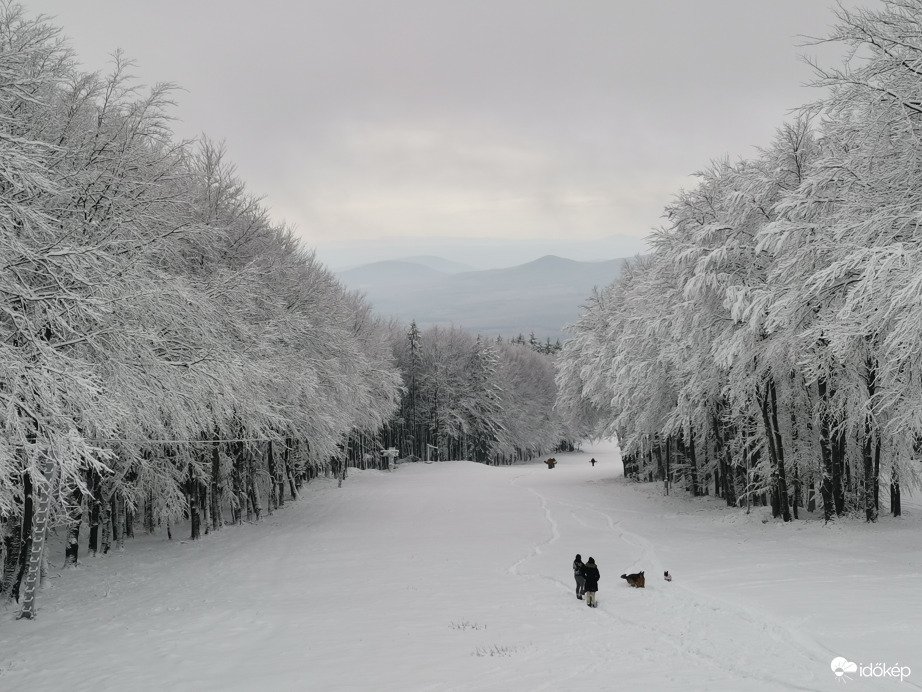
[511, 118]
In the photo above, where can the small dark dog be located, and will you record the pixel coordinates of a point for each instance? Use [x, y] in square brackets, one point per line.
[635, 580]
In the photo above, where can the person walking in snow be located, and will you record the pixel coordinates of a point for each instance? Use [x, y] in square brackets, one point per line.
[578, 575]
[592, 461]
[591, 576]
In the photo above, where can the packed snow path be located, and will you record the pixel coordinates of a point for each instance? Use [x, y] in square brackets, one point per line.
[456, 576]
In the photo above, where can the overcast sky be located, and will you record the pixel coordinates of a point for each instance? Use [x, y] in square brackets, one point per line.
[563, 126]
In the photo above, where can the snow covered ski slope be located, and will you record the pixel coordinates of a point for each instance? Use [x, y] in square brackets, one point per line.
[457, 576]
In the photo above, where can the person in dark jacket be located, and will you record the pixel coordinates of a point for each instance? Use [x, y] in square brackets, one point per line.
[578, 575]
[591, 576]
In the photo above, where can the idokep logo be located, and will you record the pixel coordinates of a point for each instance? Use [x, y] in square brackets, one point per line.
[842, 667]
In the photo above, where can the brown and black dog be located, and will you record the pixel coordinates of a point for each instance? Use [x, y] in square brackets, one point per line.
[636, 580]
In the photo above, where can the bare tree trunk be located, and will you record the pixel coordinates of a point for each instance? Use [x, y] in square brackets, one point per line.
[725, 461]
[289, 470]
[829, 475]
[283, 474]
[896, 508]
[105, 520]
[252, 488]
[868, 449]
[129, 519]
[867, 455]
[238, 496]
[769, 405]
[149, 513]
[74, 519]
[12, 547]
[693, 463]
[272, 499]
[747, 458]
[666, 478]
[118, 525]
[217, 487]
[877, 474]
[796, 494]
[718, 481]
[26, 535]
[43, 571]
[192, 500]
[95, 504]
[840, 471]
[279, 480]
[42, 491]
[204, 503]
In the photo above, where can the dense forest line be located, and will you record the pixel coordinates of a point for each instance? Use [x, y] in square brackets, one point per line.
[769, 347]
[169, 353]
[467, 397]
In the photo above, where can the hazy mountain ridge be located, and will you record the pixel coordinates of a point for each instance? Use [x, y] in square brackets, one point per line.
[440, 264]
[371, 277]
[537, 297]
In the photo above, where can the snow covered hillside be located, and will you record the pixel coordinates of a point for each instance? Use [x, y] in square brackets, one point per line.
[456, 576]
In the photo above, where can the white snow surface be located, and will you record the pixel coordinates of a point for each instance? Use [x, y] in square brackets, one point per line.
[457, 576]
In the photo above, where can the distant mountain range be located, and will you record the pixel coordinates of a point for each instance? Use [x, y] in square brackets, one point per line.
[539, 297]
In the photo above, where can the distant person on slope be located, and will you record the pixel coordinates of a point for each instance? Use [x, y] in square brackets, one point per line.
[591, 575]
[578, 575]
[592, 461]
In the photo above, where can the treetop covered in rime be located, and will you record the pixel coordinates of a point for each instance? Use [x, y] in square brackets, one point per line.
[167, 349]
[770, 342]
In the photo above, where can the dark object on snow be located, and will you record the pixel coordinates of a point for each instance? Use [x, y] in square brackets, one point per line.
[592, 461]
[591, 575]
[551, 463]
[578, 575]
[667, 576]
[636, 580]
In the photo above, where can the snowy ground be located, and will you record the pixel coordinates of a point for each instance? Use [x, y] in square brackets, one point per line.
[456, 576]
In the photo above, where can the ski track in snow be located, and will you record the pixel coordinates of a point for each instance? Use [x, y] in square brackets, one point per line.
[686, 622]
[537, 548]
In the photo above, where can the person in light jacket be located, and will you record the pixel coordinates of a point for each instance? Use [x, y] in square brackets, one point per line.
[591, 576]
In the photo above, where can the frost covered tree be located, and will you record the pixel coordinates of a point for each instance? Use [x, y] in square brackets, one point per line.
[872, 174]
[781, 301]
[481, 403]
[473, 398]
[158, 333]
